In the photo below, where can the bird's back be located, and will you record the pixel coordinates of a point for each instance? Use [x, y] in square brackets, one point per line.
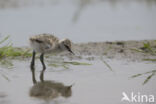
[43, 42]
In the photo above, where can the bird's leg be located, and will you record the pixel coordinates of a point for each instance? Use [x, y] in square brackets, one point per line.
[32, 67]
[44, 67]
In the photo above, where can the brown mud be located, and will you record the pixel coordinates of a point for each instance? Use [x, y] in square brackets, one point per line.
[131, 50]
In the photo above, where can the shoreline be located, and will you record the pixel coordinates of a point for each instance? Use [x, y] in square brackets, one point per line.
[129, 50]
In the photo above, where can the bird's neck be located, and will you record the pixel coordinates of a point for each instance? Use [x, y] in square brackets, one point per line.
[61, 46]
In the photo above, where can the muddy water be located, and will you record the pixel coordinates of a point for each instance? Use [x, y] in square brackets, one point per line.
[92, 84]
[80, 20]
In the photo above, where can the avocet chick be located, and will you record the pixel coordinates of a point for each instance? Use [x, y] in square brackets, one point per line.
[46, 43]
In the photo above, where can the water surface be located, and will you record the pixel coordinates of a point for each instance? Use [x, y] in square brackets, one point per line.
[81, 21]
[91, 84]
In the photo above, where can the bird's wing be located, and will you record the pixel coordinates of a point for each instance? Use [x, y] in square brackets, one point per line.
[47, 39]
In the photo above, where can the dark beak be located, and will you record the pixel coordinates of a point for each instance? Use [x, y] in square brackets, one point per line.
[69, 50]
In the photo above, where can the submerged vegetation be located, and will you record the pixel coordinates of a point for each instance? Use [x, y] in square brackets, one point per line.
[109, 67]
[76, 63]
[149, 73]
[65, 64]
[147, 49]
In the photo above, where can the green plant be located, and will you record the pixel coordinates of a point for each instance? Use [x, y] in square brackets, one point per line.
[151, 74]
[146, 49]
[9, 51]
[65, 64]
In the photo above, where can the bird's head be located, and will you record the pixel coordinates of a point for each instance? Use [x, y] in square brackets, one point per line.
[65, 44]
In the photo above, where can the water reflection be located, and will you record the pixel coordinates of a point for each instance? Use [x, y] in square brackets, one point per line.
[3, 99]
[49, 90]
[81, 5]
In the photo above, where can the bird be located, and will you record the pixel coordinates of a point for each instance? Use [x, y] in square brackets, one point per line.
[43, 44]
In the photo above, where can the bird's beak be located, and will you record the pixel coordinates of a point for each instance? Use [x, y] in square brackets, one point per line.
[72, 52]
[69, 50]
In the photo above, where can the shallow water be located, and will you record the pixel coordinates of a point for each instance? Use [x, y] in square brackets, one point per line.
[91, 83]
[81, 21]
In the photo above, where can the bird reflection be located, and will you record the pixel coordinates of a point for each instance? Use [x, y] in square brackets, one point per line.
[50, 90]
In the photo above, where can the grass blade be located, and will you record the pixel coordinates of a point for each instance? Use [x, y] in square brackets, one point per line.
[137, 75]
[149, 59]
[6, 38]
[5, 77]
[148, 78]
[76, 63]
[110, 68]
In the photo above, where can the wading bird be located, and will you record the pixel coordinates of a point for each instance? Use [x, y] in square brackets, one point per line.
[46, 43]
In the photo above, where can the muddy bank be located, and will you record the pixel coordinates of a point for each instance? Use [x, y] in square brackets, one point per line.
[132, 50]
[128, 50]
